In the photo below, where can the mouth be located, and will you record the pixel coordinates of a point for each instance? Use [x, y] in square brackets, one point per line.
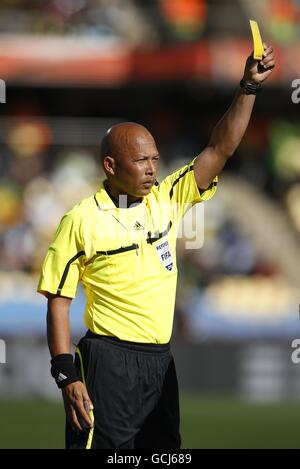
[148, 183]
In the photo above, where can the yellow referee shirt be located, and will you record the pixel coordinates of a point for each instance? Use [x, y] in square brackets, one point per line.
[125, 258]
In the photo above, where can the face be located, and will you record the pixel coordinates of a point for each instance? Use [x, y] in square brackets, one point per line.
[134, 167]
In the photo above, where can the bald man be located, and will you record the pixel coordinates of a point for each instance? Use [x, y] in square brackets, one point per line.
[132, 168]
[121, 391]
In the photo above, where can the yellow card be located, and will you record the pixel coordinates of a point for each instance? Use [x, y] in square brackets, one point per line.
[258, 48]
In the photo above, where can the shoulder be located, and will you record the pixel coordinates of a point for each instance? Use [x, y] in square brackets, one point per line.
[83, 209]
[170, 181]
[78, 216]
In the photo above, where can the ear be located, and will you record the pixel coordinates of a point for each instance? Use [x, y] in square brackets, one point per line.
[109, 165]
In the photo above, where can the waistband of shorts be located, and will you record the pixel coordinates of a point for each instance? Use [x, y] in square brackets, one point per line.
[138, 346]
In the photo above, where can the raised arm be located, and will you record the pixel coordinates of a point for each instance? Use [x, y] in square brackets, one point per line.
[76, 399]
[230, 130]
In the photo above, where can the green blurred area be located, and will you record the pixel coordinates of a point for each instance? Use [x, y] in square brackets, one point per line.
[206, 422]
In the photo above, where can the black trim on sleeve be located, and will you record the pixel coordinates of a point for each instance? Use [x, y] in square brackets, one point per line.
[179, 177]
[151, 239]
[201, 191]
[66, 271]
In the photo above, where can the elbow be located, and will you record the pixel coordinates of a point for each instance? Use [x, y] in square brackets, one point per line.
[224, 152]
[229, 154]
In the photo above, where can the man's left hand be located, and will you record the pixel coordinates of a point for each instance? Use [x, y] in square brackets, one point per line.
[257, 71]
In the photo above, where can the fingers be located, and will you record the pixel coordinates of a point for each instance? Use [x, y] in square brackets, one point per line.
[268, 61]
[268, 65]
[88, 405]
[74, 420]
[265, 75]
[78, 405]
[83, 414]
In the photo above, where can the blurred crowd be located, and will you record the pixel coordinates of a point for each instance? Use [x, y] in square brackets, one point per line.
[145, 22]
[116, 19]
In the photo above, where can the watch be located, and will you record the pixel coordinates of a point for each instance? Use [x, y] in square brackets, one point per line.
[250, 88]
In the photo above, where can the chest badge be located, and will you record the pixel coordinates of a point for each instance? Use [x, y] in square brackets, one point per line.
[164, 253]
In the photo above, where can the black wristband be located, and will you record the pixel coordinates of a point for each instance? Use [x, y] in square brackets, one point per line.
[63, 370]
[250, 88]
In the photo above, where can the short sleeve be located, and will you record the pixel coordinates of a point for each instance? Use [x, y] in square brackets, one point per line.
[183, 191]
[64, 263]
[208, 193]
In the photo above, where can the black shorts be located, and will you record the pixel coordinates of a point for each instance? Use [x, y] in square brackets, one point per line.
[134, 391]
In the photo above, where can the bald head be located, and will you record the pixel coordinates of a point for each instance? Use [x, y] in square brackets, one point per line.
[121, 139]
[129, 158]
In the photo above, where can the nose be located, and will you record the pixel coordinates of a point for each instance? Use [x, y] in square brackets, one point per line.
[150, 168]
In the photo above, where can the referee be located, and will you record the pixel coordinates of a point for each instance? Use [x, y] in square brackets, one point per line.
[121, 390]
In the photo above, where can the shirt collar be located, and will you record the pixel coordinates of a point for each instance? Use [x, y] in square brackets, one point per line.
[104, 202]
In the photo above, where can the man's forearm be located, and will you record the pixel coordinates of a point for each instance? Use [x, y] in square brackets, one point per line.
[58, 325]
[230, 130]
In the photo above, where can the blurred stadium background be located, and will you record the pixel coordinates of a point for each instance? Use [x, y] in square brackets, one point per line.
[74, 67]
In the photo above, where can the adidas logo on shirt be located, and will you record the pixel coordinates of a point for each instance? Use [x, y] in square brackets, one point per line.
[138, 226]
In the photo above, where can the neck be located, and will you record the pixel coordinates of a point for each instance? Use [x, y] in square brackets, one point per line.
[121, 200]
